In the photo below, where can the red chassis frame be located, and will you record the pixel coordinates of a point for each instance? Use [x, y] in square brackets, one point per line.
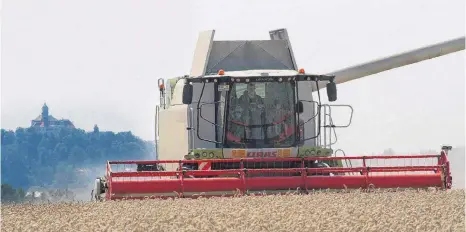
[163, 184]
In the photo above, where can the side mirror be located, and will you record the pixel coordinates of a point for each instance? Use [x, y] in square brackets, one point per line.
[187, 94]
[332, 91]
[299, 107]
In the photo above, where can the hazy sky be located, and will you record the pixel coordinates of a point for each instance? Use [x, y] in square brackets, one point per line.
[97, 62]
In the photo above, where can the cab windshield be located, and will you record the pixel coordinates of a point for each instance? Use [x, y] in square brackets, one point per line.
[260, 115]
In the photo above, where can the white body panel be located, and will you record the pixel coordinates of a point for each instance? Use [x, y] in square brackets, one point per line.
[202, 53]
[173, 141]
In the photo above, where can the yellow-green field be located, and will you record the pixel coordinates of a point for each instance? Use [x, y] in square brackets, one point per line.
[322, 211]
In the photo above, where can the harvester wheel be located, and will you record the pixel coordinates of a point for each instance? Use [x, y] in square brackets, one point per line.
[99, 188]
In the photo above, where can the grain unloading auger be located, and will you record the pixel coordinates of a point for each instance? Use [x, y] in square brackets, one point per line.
[245, 120]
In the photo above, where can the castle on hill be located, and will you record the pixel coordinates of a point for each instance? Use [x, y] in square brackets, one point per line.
[47, 121]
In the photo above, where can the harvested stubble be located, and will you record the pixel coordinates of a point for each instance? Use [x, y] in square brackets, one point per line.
[319, 211]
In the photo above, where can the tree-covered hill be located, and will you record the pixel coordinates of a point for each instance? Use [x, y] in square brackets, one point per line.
[60, 158]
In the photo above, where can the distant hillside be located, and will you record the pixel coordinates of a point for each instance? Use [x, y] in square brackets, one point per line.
[61, 158]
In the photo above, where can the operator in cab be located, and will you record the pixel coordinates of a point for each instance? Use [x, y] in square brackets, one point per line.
[253, 113]
[250, 97]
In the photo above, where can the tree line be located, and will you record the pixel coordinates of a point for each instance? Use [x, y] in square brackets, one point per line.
[60, 158]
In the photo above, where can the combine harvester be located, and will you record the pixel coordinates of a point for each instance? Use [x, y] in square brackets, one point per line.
[245, 121]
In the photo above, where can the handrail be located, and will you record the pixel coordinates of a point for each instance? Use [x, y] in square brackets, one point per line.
[284, 170]
[275, 159]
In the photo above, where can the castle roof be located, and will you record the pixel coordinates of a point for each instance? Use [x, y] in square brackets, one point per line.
[51, 118]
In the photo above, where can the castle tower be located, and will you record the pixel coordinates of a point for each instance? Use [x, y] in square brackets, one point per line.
[45, 115]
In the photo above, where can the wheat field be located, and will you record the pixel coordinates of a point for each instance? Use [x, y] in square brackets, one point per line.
[414, 210]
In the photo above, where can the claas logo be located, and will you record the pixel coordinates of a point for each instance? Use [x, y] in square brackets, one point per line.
[240, 153]
[254, 154]
[282, 153]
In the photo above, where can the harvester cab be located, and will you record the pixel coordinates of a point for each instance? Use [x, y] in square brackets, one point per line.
[245, 120]
[259, 114]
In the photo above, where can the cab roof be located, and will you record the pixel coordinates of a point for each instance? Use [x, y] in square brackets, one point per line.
[259, 72]
[260, 75]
